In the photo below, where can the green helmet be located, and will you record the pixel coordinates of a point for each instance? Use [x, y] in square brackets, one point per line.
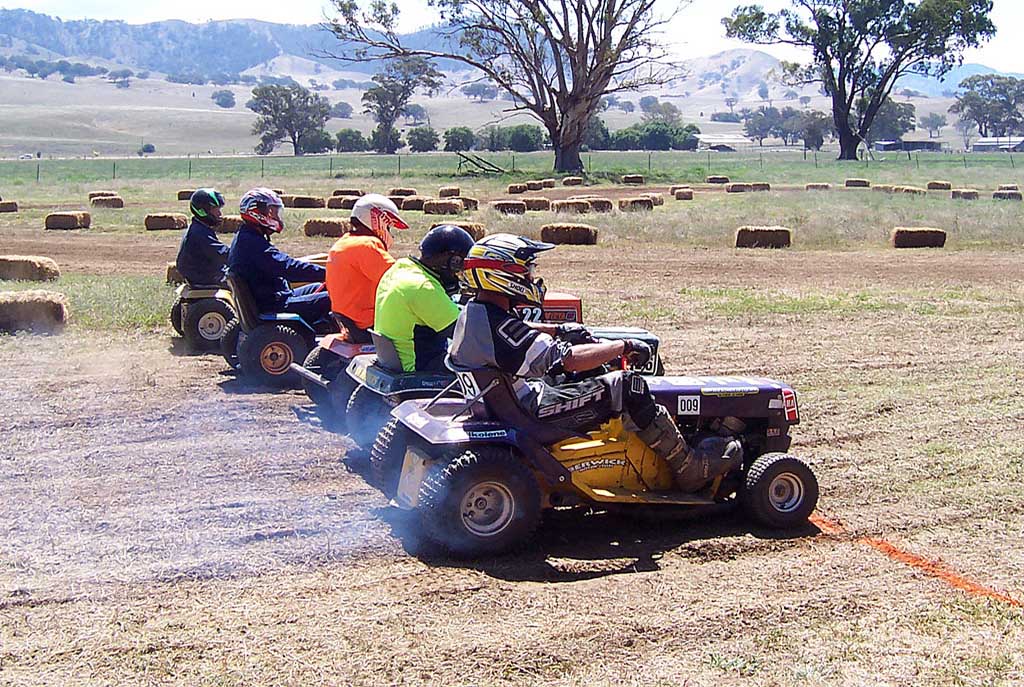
[202, 200]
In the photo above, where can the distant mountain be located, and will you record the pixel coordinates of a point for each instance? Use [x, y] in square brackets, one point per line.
[935, 88]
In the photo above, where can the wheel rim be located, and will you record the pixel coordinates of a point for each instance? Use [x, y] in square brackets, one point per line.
[211, 326]
[487, 509]
[786, 492]
[275, 358]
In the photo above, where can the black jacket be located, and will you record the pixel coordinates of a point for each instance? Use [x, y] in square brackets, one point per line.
[202, 258]
[266, 269]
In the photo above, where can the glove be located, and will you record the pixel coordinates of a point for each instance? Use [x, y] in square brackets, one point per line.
[574, 333]
[637, 352]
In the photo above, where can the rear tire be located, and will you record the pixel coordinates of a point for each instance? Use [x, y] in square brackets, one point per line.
[176, 316]
[326, 364]
[266, 352]
[205, 322]
[365, 413]
[780, 492]
[340, 393]
[229, 343]
[388, 455]
[484, 502]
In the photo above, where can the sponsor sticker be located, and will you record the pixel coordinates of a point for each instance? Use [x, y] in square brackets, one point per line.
[774, 432]
[597, 464]
[688, 405]
[490, 434]
[726, 391]
[789, 402]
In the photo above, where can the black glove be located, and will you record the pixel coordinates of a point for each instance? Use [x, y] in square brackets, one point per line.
[637, 352]
[574, 333]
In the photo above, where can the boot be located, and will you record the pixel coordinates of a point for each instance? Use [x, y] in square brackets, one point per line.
[712, 457]
[663, 437]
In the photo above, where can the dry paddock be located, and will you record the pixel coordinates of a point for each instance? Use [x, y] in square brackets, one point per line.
[162, 524]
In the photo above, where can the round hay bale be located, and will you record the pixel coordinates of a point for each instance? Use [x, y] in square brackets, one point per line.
[8, 206]
[884, 188]
[516, 188]
[537, 204]
[717, 179]
[858, 183]
[68, 220]
[326, 226]
[186, 193]
[679, 187]
[338, 202]
[230, 224]
[448, 206]
[397, 200]
[737, 188]
[683, 194]
[600, 204]
[414, 202]
[634, 179]
[40, 312]
[965, 194]
[534, 185]
[449, 192]
[475, 229]
[162, 222]
[572, 181]
[28, 268]
[918, 237]
[99, 194]
[576, 207]
[760, 186]
[116, 202]
[764, 237]
[547, 183]
[308, 202]
[636, 204]
[1007, 195]
[468, 203]
[818, 187]
[940, 186]
[657, 198]
[348, 192]
[569, 234]
[509, 207]
[402, 191]
[1009, 187]
[173, 275]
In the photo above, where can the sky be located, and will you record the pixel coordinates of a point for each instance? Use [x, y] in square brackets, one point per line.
[698, 27]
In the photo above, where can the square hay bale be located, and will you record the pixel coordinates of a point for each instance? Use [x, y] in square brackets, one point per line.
[173, 275]
[965, 194]
[348, 192]
[635, 204]
[760, 186]
[600, 204]
[68, 220]
[534, 185]
[98, 194]
[657, 198]
[683, 194]
[572, 181]
[287, 200]
[634, 179]
[338, 202]
[1009, 187]
[923, 237]
[1007, 195]
[547, 183]
[348, 202]
[858, 183]
[569, 234]
[165, 221]
[39, 312]
[912, 190]
[326, 226]
[513, 189]
[116, 202]
[414, 202]
[509, 207]
[575, 207]
[537, 204]
[186, 193]
[28, 268]
[448, 206]
[737, 188]
[449, 192]
[940, 186]
[8, 206]
[278, 191]
[307, 202]
[468, 203]
[402, 191]
[230, 224]
[884, 188]
[764, 237]
[397, 200]
[717, 179]
[678, 187]
[818, 187]
[475, 229]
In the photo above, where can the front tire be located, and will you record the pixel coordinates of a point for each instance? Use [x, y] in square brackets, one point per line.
[484, 502]
[176, 316]
[266, 352]
[229, 342]
[780, 491]
[326, 364]
[205, 322]
[388, 455]
[365, 413]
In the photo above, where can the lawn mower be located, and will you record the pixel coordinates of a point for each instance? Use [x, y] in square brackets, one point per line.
[201, 314]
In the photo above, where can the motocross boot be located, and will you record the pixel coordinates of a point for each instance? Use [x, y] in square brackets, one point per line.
[712, 457]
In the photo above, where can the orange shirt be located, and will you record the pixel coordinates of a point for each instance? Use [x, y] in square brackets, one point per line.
[354, 266]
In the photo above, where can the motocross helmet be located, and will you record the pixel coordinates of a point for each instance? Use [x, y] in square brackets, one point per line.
[380, 216]
[505, 264]
[255, 209]
[202, 201]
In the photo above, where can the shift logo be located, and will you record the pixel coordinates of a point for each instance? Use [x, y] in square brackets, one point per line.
[571, 404]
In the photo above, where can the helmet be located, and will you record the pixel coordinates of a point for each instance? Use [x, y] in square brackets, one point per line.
[379, 215]
[504, 264]
[254, 208]
[200, 203]
[445, 238]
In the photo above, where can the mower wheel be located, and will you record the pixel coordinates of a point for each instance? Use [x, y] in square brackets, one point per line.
[484, 502]
[229, 342]
[326, 364]
[365, 413]
[176, 316]
[340, 393]
[266, 352]
[205, 322]
[780, 492]
[388, 455]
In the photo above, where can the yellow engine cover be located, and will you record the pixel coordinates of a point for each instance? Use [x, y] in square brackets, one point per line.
[613, 459]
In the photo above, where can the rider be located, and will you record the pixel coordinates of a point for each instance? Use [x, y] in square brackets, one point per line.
[414, 309]
[499, 272]
[359, 259]
[202, 258]
[266, 269]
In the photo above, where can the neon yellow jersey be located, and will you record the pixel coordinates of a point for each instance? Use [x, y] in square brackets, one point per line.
[413, 311]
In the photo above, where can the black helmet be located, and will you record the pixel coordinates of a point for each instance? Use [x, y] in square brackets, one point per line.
[446, 238]
[200, 203]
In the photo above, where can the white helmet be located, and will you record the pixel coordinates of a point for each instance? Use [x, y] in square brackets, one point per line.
[378, 214]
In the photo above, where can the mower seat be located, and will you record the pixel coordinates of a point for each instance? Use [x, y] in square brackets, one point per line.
[248, 314]
[387, 354]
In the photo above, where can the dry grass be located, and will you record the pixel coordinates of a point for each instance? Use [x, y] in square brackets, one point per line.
[326, 226]
[569, 234]
[28, 268]
[160, 222]
[883, 188]
[918, 237]
[68, 220]
[38, 312]
[764, 237]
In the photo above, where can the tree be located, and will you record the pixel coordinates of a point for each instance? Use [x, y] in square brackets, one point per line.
[121, 77]
[648, 102]
[816, 126]
[458, 138]
[933, 123]
[341, 110]
[762, 91]
[286, 113]
[627, 106]
[493, 138]
[146, 149]
[626, 139]
[762, 123]
[994, 103]
[730, 102]
[389, 97]
[966, 129]
[805, 100]
[892, 121]
[481, 91]
[351, 141]
[224, 98]
[790, 94]
[525, 138]
[861, 48]
[597, 136]
[555, 58]
[415, 114]
[663, 112]
[317, 142]
[423, 139]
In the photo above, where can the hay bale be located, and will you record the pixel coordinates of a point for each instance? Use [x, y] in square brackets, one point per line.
[307, 202]
[1007, 195]
[448, 206]
[8, 206]
[278, 191]
[475, 229]
[28, 268]
[547, 183]
[737, 188]
[818, 187]
[173, 275]
[633, 179]
[186, 193]
[910, 190]
[160, 222]
[516, 188]
[100, 194]
[569, 234]
[600, 204]
[414, 202]
[940, 186]
[537, 204]
[338, 202]
[965, 194]
[116, 202]
[41, 312]
[764, 237]
[230, 224]
[924, 237]
[636, 204]
[68, 220]
[509, 207]
[760, 186]
[717, 179]
[468, 203]
[657, 198]
[683, 194]
[348, 192]
[326, 226]
[1009, 187]
[402, 191]
[576, 207]
[348, 202]
[858, 183]
[449, 192]
[287, 200]
[679, 187]
[397, 200]
[884, 188]
[572, 181]
[534, 185]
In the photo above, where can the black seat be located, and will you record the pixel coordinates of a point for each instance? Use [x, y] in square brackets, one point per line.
[501, 403]
[387, 354]
[245, 304]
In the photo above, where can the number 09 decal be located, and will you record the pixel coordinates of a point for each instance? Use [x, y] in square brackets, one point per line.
[689, 405]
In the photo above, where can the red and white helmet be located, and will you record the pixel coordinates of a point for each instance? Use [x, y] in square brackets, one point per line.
[254, 207]
[378, 214]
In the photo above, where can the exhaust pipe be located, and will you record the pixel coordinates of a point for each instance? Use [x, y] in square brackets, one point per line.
[308, 375]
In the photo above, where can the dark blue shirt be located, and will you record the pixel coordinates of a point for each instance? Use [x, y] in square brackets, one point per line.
[267, 270]
[202, 258]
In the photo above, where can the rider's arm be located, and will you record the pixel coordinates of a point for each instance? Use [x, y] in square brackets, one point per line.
[544, 328]
[588, 356]
[280, 264]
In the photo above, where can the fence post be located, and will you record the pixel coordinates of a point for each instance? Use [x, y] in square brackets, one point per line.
[190, 169]
[399, 164]
[115, 169]
[917, 157]
[815, 159]
[513, 162]
[965, 160]
[648, 163]
[37, 172]
[590, 165]
[262, 161]
[709, 163]
[1012, 163]
[761, 160]
[330, 173]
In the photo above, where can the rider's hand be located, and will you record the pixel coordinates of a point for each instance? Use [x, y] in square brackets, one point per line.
[574, 333]
[637, 352]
